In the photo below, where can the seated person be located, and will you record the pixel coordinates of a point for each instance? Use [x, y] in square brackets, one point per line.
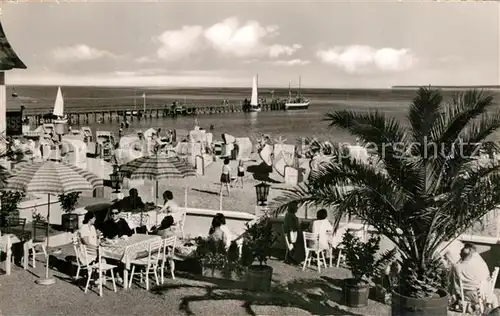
[116, 227]
[218, 235]
[167, 228]
[88, 233]
[171, 207]
[133, 202]
[472, 271]
[222, 219]
[323, 228]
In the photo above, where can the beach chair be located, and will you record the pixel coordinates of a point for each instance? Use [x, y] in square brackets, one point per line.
[150, 263]
[168, 255]
[311, 245]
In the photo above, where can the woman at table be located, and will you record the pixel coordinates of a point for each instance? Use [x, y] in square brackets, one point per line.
[88, 233]
[167, 228]
[116, 227]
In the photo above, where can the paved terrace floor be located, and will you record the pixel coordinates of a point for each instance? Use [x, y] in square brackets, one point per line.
[295, 292]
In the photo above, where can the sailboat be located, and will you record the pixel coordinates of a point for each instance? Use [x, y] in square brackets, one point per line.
[299, 103]
[254, 102]
[59, 108]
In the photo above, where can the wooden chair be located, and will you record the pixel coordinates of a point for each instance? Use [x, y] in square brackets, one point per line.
[16, 226]
[168, 255]
[39, 240]
[311, 245]
[150, 263]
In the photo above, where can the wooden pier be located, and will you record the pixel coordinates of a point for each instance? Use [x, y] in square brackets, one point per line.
[36, 116]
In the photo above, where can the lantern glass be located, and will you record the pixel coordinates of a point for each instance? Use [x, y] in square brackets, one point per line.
[262, 192]
[115, 178]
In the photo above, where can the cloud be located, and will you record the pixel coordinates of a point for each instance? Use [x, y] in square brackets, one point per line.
[279, 50]
[292, 62]
[177, 44]
[242, 40]
[362, 58]
[79, 52]
[230, 37]
[145, 60]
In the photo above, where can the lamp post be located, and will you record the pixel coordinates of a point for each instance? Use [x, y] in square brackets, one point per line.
[115, 181]
[262, 192]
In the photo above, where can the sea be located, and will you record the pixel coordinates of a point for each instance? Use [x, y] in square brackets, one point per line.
[287, 125]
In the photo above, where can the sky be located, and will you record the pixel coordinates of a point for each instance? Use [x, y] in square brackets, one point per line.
[207, 43]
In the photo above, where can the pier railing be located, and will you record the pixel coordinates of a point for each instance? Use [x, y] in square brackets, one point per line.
[36, 115]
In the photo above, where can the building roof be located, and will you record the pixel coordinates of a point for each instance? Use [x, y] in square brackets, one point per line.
[8, 57]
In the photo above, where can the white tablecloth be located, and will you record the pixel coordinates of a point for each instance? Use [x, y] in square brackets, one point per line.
[128, 249]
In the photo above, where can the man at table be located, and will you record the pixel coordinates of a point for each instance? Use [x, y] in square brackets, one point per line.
[133, 202]
[116, 227]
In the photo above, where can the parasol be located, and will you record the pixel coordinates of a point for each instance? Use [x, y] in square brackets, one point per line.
[50, 177]
[158, 168]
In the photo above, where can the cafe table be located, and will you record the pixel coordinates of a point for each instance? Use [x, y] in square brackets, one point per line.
[128, 249]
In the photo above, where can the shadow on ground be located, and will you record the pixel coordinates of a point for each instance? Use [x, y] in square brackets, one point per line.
[317, 296]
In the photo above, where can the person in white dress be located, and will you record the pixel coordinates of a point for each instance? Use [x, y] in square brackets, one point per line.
[88, 233]
[323, 228]
[172, 208]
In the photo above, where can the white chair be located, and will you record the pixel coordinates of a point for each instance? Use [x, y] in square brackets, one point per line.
[488, 290]
[180, 219]
[38, 240]
[150, 262]
[335, 243]
[90, 259]
[168, 255]
[311, 245]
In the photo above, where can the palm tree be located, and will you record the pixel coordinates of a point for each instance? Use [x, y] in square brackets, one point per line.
[415, 195]
[11, 153]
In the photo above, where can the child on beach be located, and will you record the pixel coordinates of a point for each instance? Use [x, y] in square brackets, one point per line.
[241, 172]
[225, 177]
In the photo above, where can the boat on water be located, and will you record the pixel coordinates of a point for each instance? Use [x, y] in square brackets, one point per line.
[297, 103]
[58, 112]
[255, 106]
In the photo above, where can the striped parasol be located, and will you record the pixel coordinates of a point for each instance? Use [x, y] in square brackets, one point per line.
[157, 168]
[50, 177]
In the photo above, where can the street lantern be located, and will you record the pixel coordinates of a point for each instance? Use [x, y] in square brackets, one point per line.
[115, 179]
[262, 191]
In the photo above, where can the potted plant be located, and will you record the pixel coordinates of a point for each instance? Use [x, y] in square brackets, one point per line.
[68, 202]
[258, 242]
[360, 257]
[217, 262]
[427, 184]
[9, 206]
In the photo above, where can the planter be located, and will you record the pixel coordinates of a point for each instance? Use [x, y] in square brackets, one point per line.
[69, 222]
[409, 306]
[259, 278]
[355, 293]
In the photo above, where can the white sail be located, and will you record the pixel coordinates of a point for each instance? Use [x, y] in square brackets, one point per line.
[59, 104]
[255, 96]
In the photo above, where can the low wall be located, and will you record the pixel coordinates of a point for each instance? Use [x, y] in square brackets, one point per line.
[198, 221]
[40, 206]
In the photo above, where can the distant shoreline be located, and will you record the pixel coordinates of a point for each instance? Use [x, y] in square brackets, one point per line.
[489, 87]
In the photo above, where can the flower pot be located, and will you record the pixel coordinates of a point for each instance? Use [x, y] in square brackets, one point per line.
[69, 222]
[356, 293]
[259, 278]
[410, 306]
